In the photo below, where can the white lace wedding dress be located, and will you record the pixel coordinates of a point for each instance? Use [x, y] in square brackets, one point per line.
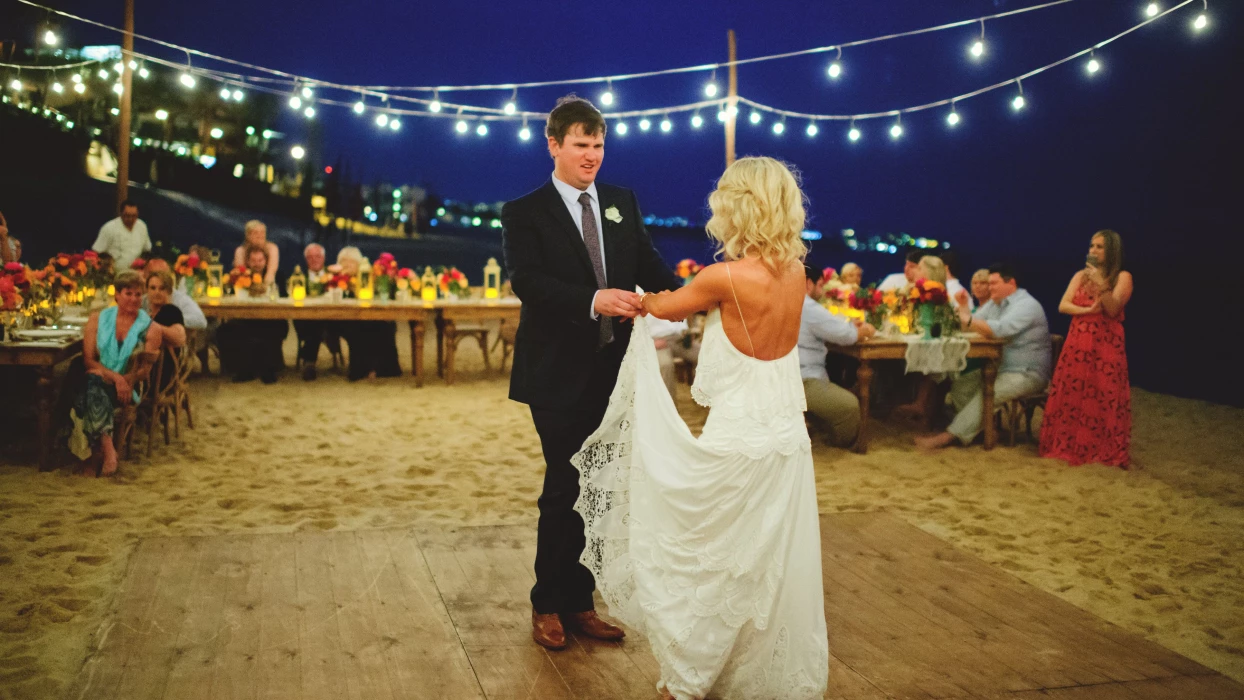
[710, 547]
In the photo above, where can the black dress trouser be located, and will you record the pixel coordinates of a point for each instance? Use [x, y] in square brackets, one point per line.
[563, 585]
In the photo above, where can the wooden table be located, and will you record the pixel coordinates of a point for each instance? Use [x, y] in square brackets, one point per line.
[43, 357]
[988, 349]
[474, 311]
[322, 310]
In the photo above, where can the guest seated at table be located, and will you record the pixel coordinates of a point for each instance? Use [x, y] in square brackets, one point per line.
[110, 339]
[191, 313]
[257, 237]
[164, 313]
[251, 348]
[312, 333]
[1088, 415]
[851, 275]
[910, 273]
[921, 410]
[1025, 367]
[10, 247]
[954, 288]
[833, 407]
[373, 344]
[980, 287]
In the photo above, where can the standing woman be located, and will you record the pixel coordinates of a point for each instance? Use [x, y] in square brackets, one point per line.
[1088, 416]
[257, 237]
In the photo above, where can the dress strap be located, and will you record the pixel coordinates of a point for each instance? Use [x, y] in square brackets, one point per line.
[740, 308]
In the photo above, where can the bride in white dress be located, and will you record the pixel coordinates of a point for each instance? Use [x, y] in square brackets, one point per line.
[710, 547]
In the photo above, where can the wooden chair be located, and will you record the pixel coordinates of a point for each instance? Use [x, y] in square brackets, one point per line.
[160, 404]
[332, 341]
[182, 395]
[125, 418]
[506, 338]
[453, 337]
[1025, 407]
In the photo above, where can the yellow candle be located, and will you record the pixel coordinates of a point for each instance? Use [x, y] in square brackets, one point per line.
[491, 293]
[365, 293]
[112, 291]
[215, 292]
[298, 293]
[428, 292]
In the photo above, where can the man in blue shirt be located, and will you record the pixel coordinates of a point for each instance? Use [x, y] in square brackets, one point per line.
[1027, 360]
[829, 404]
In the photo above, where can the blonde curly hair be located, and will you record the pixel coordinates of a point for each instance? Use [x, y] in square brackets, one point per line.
[933, 268]
[758, 209]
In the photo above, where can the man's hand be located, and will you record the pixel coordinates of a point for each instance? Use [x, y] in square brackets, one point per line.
[617, 302]
[866, 331]
[962, 297]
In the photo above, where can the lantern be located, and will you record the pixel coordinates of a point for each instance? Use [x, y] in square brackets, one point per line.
[492, 279]
[215, 280]
[366, 281]
[296, 286]
[428, 285]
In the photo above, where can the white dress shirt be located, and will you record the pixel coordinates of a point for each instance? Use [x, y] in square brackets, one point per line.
[123, 244]
[894, 282]
[570, 195]
[953, 287]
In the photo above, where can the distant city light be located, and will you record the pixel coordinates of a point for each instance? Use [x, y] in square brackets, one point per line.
[217, 132]
[298, 152]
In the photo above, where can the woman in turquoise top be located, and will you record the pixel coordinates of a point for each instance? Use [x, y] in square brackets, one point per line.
[110, 339]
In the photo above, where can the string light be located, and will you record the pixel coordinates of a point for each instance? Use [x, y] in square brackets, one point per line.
[382, 119]
[16, 84]
[359, 107]
[525, 132]
[482, 129]
[161, 114]
[754, 117]
[621, 129]
[978, 47]
[811, 130]
[779, 127]
[50, 38]
[606, 97]
[710, 88]
[1152, 9]
[644, 124]
[118, 68]
[512, 106]
[76, 78]
[853, 133]
[79, 88]
[295, 102]
[461, 126]
[897, 130]
[144, 73]
[103, 74]
[952, 118]
[187, 80]
[721, 115]
[395, 124]
[118, 88]
[133, 64]
[835, 67]
[1019, 101]
[309, 112]
[238, 95]
[57, 87]
[666, 124]
[224, 93]
[307, 93]
[697, 121]
[1200, 22]
[217, 132]
[435, 106]
[1093, 65]
[298, 152]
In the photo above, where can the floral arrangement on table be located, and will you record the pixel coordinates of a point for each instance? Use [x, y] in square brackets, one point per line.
[933, 310]
[13, 283]
[335, 278]
[384, 276]
[687, 269]
[407, 282]
[870, 301]
[453, 283]
[85, 269]
[241, 278]
[193, 268]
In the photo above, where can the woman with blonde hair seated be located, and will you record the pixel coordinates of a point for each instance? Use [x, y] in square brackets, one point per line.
[710, 546]
[373, 344]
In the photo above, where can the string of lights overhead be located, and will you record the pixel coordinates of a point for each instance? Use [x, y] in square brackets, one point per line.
[388, 107]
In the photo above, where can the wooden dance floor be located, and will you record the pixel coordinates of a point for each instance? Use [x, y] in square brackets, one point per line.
[444, 614]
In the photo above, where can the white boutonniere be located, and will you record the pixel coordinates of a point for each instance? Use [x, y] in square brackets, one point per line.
[612, 214]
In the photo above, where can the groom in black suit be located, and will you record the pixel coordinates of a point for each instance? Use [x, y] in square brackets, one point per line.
[575, 250]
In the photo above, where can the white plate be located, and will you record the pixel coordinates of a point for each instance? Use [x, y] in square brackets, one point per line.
[43, 334]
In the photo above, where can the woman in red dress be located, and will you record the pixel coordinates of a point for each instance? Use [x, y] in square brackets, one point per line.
[1088, 416]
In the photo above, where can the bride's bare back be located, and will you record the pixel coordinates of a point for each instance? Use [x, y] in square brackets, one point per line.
[771, 304]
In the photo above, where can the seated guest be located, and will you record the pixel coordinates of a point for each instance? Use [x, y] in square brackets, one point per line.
[251, 348]
[1088, 415]
[852, 275]
[257, 237]
[10, 248]
[373, 344]
[934, 269]
[954, 289]
[910, 273]
[835, 408]
[312, 333]
[192, 315]
[980, 287]
[1026, 360]
[167, 315]
[111, 337]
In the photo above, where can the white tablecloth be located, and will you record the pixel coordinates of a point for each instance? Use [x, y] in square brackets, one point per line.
[937, 355]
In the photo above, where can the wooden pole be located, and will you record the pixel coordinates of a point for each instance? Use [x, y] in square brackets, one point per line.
[732, 100]
[127, 84]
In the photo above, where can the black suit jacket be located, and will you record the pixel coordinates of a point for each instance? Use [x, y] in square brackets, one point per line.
[555, 353]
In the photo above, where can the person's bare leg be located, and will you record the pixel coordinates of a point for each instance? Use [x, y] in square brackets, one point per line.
[90, 465]
[935, 442]
[110, 455]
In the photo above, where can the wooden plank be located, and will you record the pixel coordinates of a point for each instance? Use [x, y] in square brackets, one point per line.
[146, 672]
[121, 630]
[365, 666]
[202, 625]
[237, 658]
[518, 672]
[321, 657]
[845, 682]
[423, 648]
[278, 662]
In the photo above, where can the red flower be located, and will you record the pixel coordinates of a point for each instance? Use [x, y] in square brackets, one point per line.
[192, 260]
[138, 264]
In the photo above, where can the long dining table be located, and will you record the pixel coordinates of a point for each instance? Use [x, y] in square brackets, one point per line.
[43, 356]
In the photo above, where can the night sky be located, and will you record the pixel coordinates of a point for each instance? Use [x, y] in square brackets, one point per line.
[1150, 146]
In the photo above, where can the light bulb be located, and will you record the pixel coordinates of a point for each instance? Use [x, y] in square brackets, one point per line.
[952, 118]
[621, 128]
[721, 115]
[978, 49]
[524, 134]
[1200, 22]
[250, 131]
[359, 107]
[119, 68]
[306, 92]
[1018, 103]
[115, 111]
[295, 102]
[435, 106]
[309, 112]
[298, 152]
[76, 78]
[50, 38]
[187, 80]
[666, 124]
[778, 128]
[754, 117]
[382, 120]
[103, 74]
[238, 96]
[733, 110]
[16, 84]
[482, 129]
[144, 73]
[118, 88]
[58, 88]
[606, 98]
[395, 124]
[644, 124]
[896, 131]
[710, 90]
[79, 88]
[812, 130]
[268, 133]
[161, 114]
[461, 126]
[854, 134]
[1152, 10]
[224, 93]
[1093, 66]
[510, 108]
[697, 121]
[835, 70]
[133, 65]
[217, 132]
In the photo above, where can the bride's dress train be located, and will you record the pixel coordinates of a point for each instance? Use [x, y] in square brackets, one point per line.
[711, 546]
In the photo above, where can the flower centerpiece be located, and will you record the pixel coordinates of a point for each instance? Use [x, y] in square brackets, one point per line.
[871, 302]
[193, 269]
[934, 314]
[13, 284]
[335, 282]
[83, 269]
[687, 269]
[407, 284]
[243, 281]
[453, 283]
[384, 276]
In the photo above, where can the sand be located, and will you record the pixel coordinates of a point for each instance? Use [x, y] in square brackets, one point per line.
[1158, 550]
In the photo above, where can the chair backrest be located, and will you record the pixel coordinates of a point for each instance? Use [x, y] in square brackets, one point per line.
[185, 364]
[1056, 345]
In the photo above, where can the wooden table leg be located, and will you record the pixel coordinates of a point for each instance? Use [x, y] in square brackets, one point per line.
[440, 347]
[990, 375]
[864, 375]
[416, 351]
[45, 396]
[450, 343]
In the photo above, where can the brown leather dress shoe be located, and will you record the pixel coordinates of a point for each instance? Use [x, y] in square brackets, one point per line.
[547, 631]
[592, 625]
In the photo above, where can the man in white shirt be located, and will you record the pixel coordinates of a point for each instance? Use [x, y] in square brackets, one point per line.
[911, 271]
[124, 238]
[312, 334]
[833, 406]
